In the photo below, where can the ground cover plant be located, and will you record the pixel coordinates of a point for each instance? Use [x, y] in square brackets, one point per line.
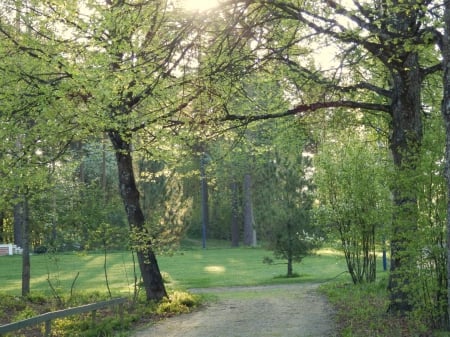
[362, 311]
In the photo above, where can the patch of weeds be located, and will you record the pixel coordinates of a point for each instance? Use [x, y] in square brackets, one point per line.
[37, 298]
[13, 303]
[361, 311]
[178, 302]
[82, 326]
[24, 314]
[107, 322]
[86, 297]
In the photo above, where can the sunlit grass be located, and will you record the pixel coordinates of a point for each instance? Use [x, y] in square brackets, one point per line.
[192, 268]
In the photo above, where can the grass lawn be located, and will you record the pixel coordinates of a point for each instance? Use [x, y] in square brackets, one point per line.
[189, 268]
[358, 308]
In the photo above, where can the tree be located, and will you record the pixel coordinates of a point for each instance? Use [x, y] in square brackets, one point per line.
[354, 198]
[289, 227]
[121, 65]
[446, 116]
[29, 111]
[384, 60]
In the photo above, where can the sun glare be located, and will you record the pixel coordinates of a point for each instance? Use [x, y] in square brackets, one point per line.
[199, 5]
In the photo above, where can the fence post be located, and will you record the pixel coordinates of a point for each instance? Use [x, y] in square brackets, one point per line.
[121, 314]
[48, 328]
[94, 317]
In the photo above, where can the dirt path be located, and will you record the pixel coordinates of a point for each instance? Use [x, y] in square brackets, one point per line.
[279, 310]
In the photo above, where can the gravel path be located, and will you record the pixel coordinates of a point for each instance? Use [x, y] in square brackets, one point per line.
[263, 311]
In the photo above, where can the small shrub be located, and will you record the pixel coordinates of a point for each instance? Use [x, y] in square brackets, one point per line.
[87, 297]
[25, 313]
[166, 277]
[177, 303]
[37, 298]
[13, 303]
[40, 250]
[81, 326]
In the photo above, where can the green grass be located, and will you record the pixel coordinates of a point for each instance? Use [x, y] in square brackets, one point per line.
[361, 311]
[191, 268]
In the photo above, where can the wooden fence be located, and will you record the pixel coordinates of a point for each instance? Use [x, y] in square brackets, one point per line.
[47, 317]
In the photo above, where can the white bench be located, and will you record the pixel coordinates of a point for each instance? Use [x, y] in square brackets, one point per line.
[9, 249]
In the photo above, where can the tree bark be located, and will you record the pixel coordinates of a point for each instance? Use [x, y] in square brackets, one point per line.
[405, 144]
[234, 215]
[151, 275]
[18, 223]
[26, 265]
[248, 211]
[446, 116]
[204, 199]
[2, 226]
[290, 250]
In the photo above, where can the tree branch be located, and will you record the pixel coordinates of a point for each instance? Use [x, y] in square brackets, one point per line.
[302, 109]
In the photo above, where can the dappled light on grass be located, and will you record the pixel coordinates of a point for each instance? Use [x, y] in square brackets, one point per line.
[220, 267]
[215, 269]
[328, 251]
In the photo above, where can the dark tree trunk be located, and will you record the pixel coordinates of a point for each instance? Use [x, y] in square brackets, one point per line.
[405, 145]
[248, 211]
[104, 183]
[18, 223]
[234, 215]
[204, 194]
[26, 265]
[446, 116]
[151, 275]
[290, 250]
[2, 227]
[290, 270]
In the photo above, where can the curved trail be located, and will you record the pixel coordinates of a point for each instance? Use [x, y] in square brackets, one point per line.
[295, 310]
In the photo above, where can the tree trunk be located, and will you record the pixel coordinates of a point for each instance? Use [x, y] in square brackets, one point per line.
[151, 275]
[248, 211]
[234, 215]
[26, 265]
[18, 223]
[446, 116]
[290, 270]
[405, 145]
[105, 198]
[290, 250]
[2, 226]
[204, 199]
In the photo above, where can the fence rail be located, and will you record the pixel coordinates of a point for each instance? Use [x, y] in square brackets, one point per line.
[49, 316]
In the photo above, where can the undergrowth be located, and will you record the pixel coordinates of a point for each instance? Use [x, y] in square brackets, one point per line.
[362, 311]
[107, 321]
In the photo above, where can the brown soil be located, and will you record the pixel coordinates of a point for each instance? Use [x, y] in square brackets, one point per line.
[279, 310]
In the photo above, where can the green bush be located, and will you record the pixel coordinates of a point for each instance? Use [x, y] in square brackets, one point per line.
[178, 302]
[40, 250]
